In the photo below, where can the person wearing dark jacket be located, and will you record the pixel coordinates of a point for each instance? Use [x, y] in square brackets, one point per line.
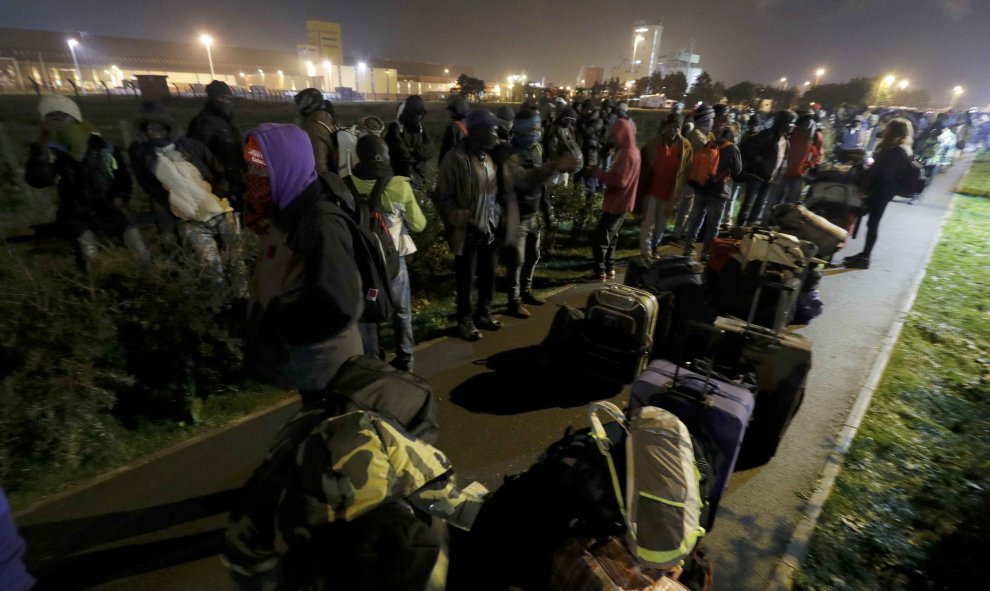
[466, 198]
[410, 148]
[214, 127]
[621, 181]
[320, 124]
[764, 157]
[893, 162]
[457, 130]
[710, 199]
[560, 140]
[186, 185]
[93, 182]
[526, 175]
[306, 296]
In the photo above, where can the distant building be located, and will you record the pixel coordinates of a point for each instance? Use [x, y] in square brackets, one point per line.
[590, 76]
[328, 40]
[645, 55]
[684, 61]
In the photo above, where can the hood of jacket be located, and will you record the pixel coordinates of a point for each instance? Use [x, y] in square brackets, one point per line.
[289, 159]
[412, 106]
[624, 134]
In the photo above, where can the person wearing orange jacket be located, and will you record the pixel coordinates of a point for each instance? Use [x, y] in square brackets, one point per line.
[621, 181]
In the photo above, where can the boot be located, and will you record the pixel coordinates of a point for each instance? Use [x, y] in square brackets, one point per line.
[468, 330]
[486, 322]
[528, 297]
[134, 241]
[517, 309]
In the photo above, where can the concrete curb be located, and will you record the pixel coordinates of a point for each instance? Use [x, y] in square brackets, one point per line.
[797, 549]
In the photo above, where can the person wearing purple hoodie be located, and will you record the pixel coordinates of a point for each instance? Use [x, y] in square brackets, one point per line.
[306, 295]
[13, 575]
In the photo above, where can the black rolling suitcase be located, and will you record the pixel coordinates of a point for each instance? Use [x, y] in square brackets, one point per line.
[619, 322]
[750, 290]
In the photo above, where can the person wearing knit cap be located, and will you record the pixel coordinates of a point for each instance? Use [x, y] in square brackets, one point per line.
[466, 198]
[711, 197]
[665, 165]
[456, 130]
[185, 182]
[703, 119]
[805, 152]
[320, 125]
[306, 291]
[93, 182]
[410, 148]
[621, 181]
[393, 196]
[214, 127]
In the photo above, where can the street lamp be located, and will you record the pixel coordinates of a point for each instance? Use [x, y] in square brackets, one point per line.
[956, 93]
[818, 75]
[635, 46]
[783, 82]
[262, 74]
[357, 82]
[889, 79]
[903, 84]
[208, 41]
[72, 49]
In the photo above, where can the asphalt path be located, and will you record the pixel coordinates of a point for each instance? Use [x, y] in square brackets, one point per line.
[156, 525]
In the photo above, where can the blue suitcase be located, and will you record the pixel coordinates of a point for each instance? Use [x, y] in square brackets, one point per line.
[716, 412]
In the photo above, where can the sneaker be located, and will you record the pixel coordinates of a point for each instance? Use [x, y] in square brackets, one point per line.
[611, 273]
[517, 309]
[532, 299]
[486, 322]
[468, 330]
[596, 278]
[857, 263]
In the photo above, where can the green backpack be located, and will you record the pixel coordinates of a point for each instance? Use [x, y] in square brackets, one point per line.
[662, 504]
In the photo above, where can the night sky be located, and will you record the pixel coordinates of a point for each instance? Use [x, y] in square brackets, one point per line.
[936, 44]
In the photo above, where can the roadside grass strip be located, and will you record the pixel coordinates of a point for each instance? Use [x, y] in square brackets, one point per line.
[911, 508]
[977, 181]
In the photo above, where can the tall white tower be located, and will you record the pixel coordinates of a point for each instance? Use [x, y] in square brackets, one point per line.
[645, 49]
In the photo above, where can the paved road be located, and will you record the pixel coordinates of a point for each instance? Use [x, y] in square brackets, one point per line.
[155, 527]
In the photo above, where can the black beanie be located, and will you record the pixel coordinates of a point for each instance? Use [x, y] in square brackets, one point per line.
[311, 100]
[218, 89]
[371, 148]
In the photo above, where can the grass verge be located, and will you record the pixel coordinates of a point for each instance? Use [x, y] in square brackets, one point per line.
[977, 180]
[911, 508]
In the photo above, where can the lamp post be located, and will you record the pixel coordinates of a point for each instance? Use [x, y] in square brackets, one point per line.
[357, 80]
[208, 41]
[956, 93]
[635, 46]
[72, 49]
[783, 83]
[818, 75]
[387, 83]
[885, 83]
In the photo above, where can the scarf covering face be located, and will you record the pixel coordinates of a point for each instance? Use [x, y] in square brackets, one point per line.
[74, 138]
[257, 202]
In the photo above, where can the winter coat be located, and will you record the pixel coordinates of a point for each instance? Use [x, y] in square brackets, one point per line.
[528, 174]
[401, 210]
[760, 154]
[559, 141]
[622, 178]
[215, 129]
[729, 168]
[590, 134]
[806, 146]
[452, 137]
[467, 187]
[87, 187]
[195, 152]
[322, 132]
[649, 155]
[886, 172]
[409, 150]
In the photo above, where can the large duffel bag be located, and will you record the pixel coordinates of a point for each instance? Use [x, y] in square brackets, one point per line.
[715, 411]
[618, 331]
[795, 219]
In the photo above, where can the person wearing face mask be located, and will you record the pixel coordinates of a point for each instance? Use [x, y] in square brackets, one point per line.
[410, 148]
[392, 195]
[561, 141]
[764, 157]
[320, 125]
[214, 127]
[666, 163]
[188, 193]
[457, 130]
[93, 182]
[526, 175]
[306, 290]
[466, 198]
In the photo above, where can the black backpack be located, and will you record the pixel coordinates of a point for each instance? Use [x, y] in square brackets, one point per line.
[374, 251]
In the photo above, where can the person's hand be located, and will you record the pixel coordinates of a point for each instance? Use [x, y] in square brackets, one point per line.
[566, 162]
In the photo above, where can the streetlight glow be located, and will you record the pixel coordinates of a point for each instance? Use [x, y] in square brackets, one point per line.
[903, 84]
[72, 49]
[208, 42]
[820, 72]
[957, 90]
[889, 79]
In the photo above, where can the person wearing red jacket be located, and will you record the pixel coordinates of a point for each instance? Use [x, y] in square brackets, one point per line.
[621, 181]
[807, 146]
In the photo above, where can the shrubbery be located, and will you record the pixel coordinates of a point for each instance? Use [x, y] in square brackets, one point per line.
[79, 353]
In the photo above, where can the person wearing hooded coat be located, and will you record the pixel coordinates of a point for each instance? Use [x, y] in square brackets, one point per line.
[804, 153]
[764, 157]
[621, 181]
[306, 290]
[392, 195]
[92, 180]
[457, 130]
[467, 200]
[320, 124]
[410, 148]
[703, 120]
[214, 127]
[186, 184]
